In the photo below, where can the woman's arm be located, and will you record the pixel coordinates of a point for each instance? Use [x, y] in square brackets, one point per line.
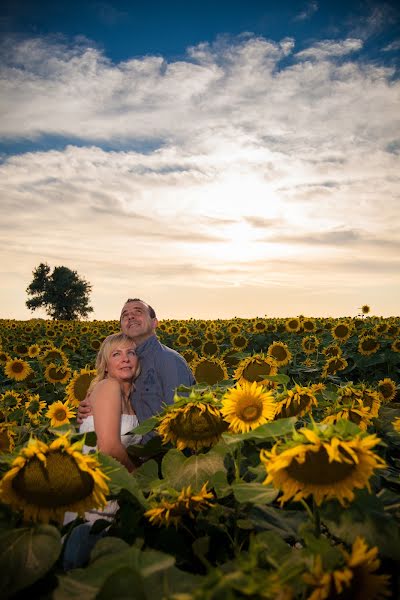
[106, 406]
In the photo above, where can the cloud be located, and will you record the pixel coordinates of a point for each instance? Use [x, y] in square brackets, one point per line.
[308, 12]
[330, 48]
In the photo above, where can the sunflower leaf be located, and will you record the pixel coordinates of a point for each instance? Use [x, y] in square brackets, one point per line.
[254, 493]
[195, 470]
[120, 478]
[26, 555]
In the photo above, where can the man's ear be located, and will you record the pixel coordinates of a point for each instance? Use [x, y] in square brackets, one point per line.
[155, 323]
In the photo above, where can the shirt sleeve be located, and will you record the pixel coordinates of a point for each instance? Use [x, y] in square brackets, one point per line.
[174, 371]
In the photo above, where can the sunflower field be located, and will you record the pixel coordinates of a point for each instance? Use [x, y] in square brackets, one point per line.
[277, 476]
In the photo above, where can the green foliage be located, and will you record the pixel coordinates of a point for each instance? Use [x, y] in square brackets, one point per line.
[63, 293]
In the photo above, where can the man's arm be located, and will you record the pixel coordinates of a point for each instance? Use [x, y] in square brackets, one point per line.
[84, 409]
[175, 372]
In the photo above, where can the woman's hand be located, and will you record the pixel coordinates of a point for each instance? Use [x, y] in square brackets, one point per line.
[84, 409]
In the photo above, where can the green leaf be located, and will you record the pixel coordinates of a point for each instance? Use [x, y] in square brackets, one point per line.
[87, 583]
[26, 555]
[284, 522]
[196, 470]
[106, 546]
[120, 478]
[120, 586]
[264, 432]
[146, 426]
[254, 493]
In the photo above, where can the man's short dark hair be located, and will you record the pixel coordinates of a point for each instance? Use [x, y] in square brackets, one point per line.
[151, 310]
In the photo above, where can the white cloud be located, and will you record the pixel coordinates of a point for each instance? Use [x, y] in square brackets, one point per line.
[310, 9]
[263, 174]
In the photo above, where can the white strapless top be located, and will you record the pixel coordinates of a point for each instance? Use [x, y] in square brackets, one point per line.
[128, 422]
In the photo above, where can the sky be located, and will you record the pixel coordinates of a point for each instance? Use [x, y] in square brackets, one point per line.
[221, 159]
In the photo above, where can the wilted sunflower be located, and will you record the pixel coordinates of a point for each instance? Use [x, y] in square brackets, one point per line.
[256, 368]
[354, 578]
[323, 464]
[368, 345]
[7, 435]
[45, 481]
[57, 373]
[396, 345]
[309, 344]
[296, 402]
[209, 370]
[387, 389]
[246, 406]
[293, 325]
[34, 407]
[193, 422]
[186, 504]
[60, 413]
[333, 365]
[341, 331]
[17, 369]
[280, 353]
[77, 388]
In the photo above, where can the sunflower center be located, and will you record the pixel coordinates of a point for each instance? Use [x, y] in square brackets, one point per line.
[17, 367]
[57, 374]
[256, 371]
[341, 331]
[209, 372]
[60, 414]
[248, 409]
[196, 425]
[317, 469]
[81, 386]
[34, 407]
[55, 484]
[279, 353]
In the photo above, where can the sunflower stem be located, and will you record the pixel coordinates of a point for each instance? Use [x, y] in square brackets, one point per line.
[308, 510]
[317, 519]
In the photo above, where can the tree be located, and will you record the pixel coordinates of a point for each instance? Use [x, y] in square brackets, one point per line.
[63, 294]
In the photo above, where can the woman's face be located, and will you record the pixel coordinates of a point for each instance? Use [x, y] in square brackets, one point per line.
[122, 362]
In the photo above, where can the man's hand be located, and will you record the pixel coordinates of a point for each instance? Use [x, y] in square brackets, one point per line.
[84, 409]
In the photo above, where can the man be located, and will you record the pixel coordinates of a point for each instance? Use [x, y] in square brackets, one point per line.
[162, 369]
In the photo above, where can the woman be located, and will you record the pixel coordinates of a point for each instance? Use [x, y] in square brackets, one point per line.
[112, 415]
[112, 419]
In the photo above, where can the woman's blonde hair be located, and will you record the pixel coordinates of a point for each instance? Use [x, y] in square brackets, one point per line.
[112, 341]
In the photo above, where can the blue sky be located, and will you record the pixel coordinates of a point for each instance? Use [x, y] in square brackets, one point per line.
[216, 158]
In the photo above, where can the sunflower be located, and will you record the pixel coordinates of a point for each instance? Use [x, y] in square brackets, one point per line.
[21, 348]
[171, 510]
[17, 369]
[77, 388]
[356, 413]
[259, 326]
[341, 331]
[34, 407]
[333, 365]
[370, 398]
[209, 370]
[296, 402]
[309, 325]
[387, 389]
[33, 350]
[381, 328]
[239, 342]
[7, 435]
[210, 348]
[365, 309]
[54, 355]
[4, 357]
[10, 400]
[353, 578]
[95, 344]
[44, 481]
[246, 406]
[60, 413]
[189, 355]
[183, 340]
[193, 422]
[234, 329]
[396, 424]
[293, 325]
[332, 351]
[368, 345]
[57, 373]
[309, 344]
[280, 353]
[256, 368]
[323, 464]
[396, 345]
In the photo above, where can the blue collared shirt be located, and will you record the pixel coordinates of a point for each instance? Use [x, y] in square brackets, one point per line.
[162, 371]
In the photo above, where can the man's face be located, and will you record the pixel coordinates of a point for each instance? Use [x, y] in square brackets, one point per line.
[136, 321]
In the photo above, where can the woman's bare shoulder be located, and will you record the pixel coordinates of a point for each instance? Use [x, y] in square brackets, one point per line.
[108, 385]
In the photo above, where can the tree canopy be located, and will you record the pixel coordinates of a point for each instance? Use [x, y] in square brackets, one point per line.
[63, 293]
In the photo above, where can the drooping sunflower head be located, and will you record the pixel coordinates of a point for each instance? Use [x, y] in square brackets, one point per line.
[296, 402]
[342, 331]
[17, 369]
[280, 353]
[60, 413]
[256, 368]
[246, 406]
[368, 345]
[192, 422]
[387, 390]
[370, 398]
[45, 480]
[78, 386]
[333, 365]
[325, 462]
[209, 370]
[355, 412]
[171, 508]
